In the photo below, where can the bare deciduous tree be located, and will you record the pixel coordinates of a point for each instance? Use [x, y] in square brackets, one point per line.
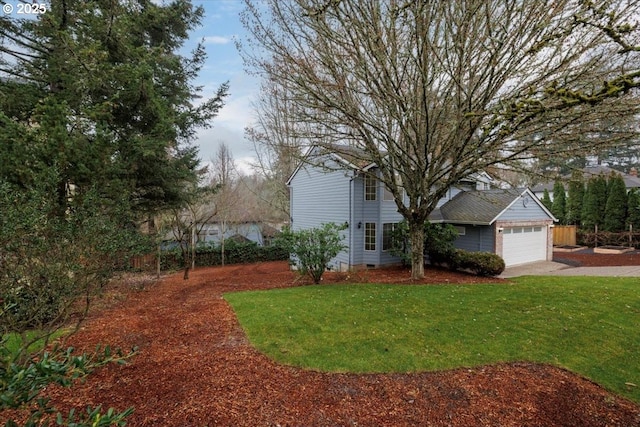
[434, 91]
[226, 198]
[275, 143]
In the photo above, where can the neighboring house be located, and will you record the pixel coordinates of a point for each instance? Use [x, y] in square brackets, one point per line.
[254, 231]
[511, 223]
[631, 179]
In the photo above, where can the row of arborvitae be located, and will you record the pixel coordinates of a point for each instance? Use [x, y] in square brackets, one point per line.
[438, 244]
[601, 201]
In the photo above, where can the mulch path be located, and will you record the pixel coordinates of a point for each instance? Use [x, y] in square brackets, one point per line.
[195, 367]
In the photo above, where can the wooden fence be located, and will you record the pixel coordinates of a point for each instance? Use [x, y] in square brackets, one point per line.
[564, 235]
[605, 238]
[143, 262]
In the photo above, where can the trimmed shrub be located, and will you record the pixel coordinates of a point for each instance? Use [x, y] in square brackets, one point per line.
[480, 263]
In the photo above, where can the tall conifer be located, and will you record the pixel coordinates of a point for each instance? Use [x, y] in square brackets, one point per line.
[616, 206]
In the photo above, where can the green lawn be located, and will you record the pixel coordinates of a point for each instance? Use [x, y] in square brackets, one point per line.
[588, 325]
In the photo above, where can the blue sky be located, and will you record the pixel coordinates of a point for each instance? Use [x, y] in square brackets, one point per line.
[221, 26]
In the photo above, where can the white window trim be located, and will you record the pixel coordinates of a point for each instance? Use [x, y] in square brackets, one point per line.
[368, 179]
[374, 236]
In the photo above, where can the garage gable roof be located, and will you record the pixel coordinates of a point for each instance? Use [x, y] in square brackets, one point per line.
[484, 207]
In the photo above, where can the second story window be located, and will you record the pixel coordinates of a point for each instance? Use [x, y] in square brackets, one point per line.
[370, 187]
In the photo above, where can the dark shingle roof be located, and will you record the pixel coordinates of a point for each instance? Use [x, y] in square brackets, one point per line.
[478, 207]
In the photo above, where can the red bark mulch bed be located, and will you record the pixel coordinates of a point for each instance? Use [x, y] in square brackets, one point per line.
[195, 367]
[587, 258]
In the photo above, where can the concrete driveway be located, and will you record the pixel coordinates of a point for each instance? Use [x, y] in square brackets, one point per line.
[550, 268]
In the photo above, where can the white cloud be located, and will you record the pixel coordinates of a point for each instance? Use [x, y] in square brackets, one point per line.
[217, 40]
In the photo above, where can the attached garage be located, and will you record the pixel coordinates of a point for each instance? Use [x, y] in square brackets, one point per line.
[522, 245]
[512, 223]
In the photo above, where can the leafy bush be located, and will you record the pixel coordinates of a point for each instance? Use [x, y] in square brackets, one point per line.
[438, 242]
[438, 245]
[480, 263]
[234, 253]
[50, 262]
[313, 248]
[23, 382]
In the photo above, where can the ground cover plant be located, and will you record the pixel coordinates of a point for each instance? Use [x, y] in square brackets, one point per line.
[587, 325]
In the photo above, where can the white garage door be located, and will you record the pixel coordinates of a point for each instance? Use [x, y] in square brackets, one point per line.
[524, 244]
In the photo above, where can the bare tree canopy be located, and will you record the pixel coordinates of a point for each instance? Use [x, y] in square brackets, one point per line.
[275, 144]
[434, 91]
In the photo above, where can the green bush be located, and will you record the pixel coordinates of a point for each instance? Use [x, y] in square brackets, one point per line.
[438, 242]
[480, 263]
[22, 384]
[234, 253]
[314, 248]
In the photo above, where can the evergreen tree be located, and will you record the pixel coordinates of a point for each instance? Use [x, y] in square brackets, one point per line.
[98, 112]
[595, 200]
[616, 205]
[558, 206]
[633, 209]
[112, 98]
[546, 199]
[574, 198]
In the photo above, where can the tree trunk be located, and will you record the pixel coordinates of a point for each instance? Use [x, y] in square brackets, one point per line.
[222, 231]
[416, 236]
[193, 246]
[158, 261]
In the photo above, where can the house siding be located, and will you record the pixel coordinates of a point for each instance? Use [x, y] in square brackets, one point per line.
[321, 196]
[476, 239]
[518, 212]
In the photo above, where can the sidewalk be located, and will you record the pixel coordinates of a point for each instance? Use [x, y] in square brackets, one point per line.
[550, 268]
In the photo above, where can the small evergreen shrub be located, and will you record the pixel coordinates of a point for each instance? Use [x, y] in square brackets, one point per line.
[480, 263]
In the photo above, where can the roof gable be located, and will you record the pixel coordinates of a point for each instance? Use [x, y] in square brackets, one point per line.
[484, 207]
[350, 157]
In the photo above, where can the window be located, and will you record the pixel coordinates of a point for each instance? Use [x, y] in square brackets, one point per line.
[462, 231]
[370, 236]
[370, 187]
[387, 235]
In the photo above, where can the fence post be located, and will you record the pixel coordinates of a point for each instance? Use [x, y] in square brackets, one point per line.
[596, 237]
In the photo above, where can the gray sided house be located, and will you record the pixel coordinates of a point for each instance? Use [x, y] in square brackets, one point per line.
[511, 223]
